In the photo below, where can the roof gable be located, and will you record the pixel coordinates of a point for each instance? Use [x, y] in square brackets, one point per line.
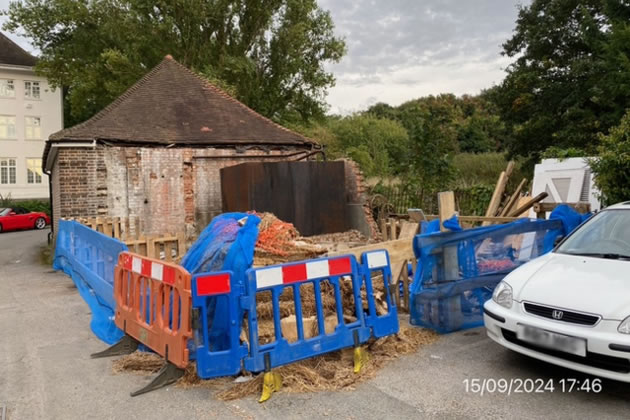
[173, 105]
[12, 54]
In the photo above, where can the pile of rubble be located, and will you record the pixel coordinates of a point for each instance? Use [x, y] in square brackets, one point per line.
[280, 242]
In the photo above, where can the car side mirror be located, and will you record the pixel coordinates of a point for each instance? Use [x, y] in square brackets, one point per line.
[558, 240]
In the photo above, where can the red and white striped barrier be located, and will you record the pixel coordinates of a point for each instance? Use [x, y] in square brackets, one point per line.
[287, 274]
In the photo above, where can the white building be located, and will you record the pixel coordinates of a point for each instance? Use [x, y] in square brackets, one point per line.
[566, 181]
[30, 110]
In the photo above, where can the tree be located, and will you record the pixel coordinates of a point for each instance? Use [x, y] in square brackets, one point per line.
[270, 53]
[571, 76]
[612, 167]
[379, 146]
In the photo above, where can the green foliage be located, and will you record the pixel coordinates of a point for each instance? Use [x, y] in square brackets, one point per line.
[571, 76]
[30, 205]
[379, 146]
[478, 168]
[474, 200]
[271, 53]
[554, 152]
[612, 168]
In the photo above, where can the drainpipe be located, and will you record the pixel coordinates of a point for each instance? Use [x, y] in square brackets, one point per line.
[50, 199]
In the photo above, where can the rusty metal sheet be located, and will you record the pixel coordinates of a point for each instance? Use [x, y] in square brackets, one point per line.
[311, 195]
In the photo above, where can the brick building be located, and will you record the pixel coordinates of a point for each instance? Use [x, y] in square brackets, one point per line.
[156, 151]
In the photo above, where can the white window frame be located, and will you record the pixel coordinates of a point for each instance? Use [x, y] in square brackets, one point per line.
[10, 82]
[28, 90]
[6, 172]
[8, 136]
[33, 176]
[33, 129]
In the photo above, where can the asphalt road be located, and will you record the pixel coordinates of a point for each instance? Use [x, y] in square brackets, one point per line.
[46, 371]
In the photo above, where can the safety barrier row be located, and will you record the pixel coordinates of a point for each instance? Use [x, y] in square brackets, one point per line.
[89, 258]
[183, 317]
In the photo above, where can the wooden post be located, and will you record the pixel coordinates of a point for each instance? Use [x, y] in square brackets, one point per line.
[450, 269]
[495, 201]
[181, 245]
[405, 282]
[514, 198]
[392, 229]
[384, 229]
[446, 207]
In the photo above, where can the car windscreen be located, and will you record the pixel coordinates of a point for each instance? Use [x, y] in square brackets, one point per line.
[4, 212]
[605, 235]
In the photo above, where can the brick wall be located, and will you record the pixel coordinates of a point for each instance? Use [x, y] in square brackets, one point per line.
[75, 185]
[357, 193]
[166, 189]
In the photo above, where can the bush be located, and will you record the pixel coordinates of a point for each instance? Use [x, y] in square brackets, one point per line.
[612, 167]
[30, 205]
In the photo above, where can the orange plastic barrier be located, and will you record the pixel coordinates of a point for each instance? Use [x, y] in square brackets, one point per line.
[153, 305]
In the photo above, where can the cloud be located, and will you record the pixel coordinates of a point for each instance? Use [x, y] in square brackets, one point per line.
[20, 40]
[401, 49]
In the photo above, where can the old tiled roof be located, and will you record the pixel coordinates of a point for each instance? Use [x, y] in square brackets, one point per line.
[173, 105]
[12, 54]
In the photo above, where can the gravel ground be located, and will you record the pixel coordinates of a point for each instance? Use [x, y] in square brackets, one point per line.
[46, 371]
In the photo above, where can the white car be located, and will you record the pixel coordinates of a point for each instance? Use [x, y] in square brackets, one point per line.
[571, 307]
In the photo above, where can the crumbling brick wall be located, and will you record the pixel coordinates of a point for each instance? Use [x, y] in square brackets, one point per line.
[358, 193]
[167, 189]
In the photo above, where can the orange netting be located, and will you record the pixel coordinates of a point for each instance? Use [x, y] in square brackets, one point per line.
[276, 236]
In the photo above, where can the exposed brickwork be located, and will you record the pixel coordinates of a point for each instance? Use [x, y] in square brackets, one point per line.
[357, 193]
[75, 185]
[167, 189]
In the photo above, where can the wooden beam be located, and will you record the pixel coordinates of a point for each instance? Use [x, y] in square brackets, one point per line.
[514, 198]
[399, 251]
[446, 207]
[497, 195]
[529, 204]
[581, 206]
[472, 219]
[408, 229]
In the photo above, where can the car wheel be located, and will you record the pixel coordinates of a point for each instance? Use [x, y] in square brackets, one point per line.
[0, 228]
[40, 223]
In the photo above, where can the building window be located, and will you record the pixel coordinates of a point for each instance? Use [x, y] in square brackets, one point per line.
[7, 127]
[34, 171]
[32, 128]
[8, 170]
[31, 90]
[7, 88]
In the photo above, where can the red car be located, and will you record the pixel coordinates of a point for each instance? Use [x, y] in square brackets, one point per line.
[19, 218]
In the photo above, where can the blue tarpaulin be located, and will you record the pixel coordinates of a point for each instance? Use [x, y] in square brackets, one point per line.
[227, 244]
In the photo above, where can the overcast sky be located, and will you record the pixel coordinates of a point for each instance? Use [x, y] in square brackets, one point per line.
[403, 49]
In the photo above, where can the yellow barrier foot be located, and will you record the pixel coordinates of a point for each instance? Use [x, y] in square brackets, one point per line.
[360, 358]
[272, 382]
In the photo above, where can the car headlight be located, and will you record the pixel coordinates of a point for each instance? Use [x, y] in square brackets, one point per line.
[624, 327]
[503, 295]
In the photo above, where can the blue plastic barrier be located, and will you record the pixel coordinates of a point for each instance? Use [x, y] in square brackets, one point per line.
[279, 277]
[213, 357]
[457, 271]
[89, 257]
[377, 263]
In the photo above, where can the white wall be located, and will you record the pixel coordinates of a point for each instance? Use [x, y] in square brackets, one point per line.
[566, 181]
[50, 110]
